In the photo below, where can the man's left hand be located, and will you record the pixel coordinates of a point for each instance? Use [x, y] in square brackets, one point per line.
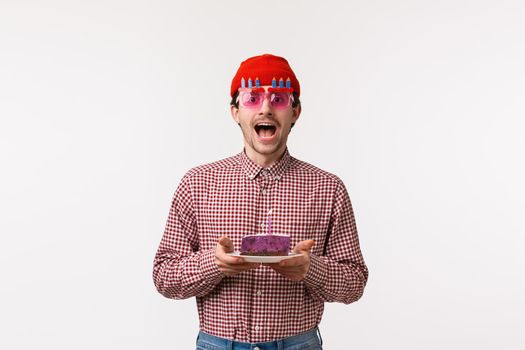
[296, 268]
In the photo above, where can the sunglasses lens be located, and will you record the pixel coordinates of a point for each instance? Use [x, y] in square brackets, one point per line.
[251, 99]
[280, 99]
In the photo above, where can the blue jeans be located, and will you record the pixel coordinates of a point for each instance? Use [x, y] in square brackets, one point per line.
[305, 341]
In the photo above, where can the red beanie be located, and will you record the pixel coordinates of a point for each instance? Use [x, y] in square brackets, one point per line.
[265, 67]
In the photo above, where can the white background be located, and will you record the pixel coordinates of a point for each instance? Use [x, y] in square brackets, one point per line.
[417, 105]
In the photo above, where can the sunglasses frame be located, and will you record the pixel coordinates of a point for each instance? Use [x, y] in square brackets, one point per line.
[267, 95]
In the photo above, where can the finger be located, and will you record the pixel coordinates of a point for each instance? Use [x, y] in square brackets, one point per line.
[229, 260]
[234, 262]
[304, 246]
[229, 272]
[245, 266]
[297, 261]
[286, 269]
[225, 257]
[226, 243]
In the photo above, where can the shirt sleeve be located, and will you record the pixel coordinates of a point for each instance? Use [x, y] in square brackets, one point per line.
[180, 269]
[340, 273]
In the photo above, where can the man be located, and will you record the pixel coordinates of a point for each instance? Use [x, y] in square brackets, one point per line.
[245, 305]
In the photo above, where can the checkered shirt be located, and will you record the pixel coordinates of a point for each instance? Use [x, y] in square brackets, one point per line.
[232, 197]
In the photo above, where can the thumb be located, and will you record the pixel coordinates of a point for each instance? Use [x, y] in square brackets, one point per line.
[304, 246]
[226, 244]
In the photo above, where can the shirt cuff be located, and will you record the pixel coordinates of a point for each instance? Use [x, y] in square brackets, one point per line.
[316, 275]
[209, 268]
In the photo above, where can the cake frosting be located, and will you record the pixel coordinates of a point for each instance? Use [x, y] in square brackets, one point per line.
[265, 245]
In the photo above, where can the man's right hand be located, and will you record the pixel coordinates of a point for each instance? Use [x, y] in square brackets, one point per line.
[230, 265]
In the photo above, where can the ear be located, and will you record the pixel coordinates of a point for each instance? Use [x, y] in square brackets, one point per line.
[296, 113]
[235, 113]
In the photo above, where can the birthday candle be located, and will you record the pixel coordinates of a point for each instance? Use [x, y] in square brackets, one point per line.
[243, 83]
[274, 83]
[281, 83]
[288, 83]
[257, 82]
[270, 222]
[249, 83]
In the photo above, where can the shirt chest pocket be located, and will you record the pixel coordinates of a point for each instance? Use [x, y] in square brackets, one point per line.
[307, 222]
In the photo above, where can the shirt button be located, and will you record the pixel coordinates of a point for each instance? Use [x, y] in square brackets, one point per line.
[256, 348]
[263, 191]
[256, 328]
[259, 292]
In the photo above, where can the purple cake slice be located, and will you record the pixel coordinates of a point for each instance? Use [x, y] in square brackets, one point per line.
[265, 245]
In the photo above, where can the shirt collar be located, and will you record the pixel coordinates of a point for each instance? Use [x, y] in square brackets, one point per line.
[276, 170]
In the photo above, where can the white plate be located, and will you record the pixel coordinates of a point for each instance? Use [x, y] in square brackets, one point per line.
[264, 258]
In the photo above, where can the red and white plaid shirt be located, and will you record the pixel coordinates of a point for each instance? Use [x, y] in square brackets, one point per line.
[232, 197]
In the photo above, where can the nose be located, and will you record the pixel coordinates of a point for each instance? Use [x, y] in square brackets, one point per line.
[266, 108]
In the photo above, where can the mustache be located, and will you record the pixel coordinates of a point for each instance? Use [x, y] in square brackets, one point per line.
[266, 120]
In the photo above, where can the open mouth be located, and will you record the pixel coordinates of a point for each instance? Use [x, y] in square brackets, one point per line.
[265, 130]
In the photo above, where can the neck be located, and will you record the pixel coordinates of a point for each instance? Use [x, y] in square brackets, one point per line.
[264, 160]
